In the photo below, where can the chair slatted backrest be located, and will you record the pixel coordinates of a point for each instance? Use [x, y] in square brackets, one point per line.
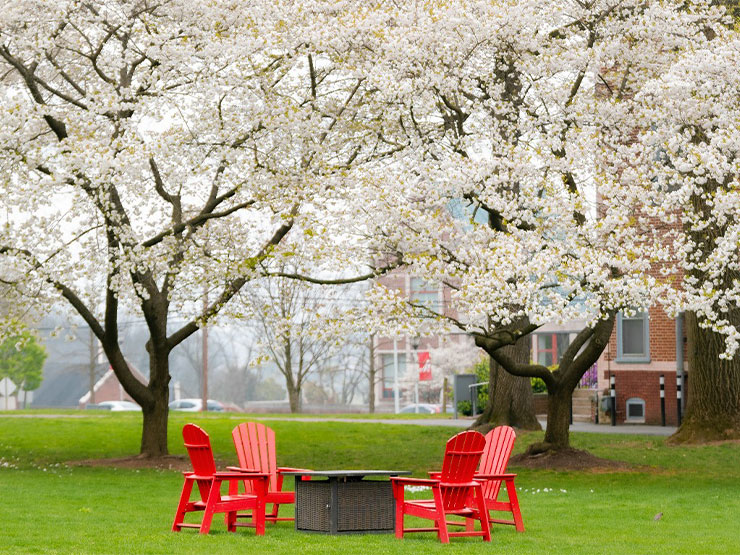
[198, 445]
[255, 448]
[462, 455]
[499, 443]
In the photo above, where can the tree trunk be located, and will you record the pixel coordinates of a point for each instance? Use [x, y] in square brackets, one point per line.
[154, 427]
[510, 398]
[580, 355]
[155, 413]
[557, 435]
[713, 409]
[294, 397]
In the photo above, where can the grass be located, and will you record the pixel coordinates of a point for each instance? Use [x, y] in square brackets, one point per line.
[50, 507]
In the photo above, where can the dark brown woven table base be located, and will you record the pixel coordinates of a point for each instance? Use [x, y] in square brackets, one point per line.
[340, 506]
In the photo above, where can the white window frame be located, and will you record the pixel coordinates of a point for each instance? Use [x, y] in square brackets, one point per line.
[633, 357]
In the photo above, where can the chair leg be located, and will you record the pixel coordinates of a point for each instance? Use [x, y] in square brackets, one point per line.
[514, 501]
[231, 521]
[469, 525]
[442, 533]
[398, 493]
[483, 514]
[258, 514]
[213, 497]
[187, 487]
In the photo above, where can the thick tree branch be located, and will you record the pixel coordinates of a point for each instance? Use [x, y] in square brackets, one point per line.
[591, 352]
[524, 370]
[195, 222]
[339, 281]
[232, 288]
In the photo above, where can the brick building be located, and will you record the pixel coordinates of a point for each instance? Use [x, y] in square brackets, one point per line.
[643, 347]
[408, 354]
[108, 388]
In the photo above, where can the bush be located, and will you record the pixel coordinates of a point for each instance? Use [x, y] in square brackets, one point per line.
[482, 375]
[465, 408]
[538, 385]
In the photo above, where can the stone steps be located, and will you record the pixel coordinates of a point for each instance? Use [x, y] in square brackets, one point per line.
[582, 399]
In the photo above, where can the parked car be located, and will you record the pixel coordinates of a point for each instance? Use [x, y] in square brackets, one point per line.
[114, 406]
[420, 408]
[194, 405]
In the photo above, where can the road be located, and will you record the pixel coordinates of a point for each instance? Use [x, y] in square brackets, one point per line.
[631, 429]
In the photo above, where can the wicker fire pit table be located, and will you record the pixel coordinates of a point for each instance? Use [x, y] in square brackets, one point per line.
[345, 502]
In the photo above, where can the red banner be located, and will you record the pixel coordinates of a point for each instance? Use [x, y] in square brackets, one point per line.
[425, 366]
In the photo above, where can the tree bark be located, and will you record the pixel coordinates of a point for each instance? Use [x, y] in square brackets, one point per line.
[155, 408]
[154, 426]
[294, 398]
[713, 409]
[557, 434]
[510, 398]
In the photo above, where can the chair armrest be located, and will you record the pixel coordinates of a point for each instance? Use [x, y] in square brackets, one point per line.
[494, 476]
[240, 469]
[241, 475]
[414, 481]
[435, 474]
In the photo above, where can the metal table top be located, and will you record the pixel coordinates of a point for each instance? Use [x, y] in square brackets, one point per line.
[346, 473]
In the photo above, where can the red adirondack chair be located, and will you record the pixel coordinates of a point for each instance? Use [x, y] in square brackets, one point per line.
[451, 491]
[492, 473]
[209, 486]
[255, 448]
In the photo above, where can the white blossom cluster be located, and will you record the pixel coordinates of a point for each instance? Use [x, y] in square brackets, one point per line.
[556, 155]
[555, 160]
[166, 148]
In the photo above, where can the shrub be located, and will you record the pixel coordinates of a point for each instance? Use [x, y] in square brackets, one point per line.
[538, 385]
[465, 408]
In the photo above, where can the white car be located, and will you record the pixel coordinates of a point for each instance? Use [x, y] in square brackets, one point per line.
[194, 405]
[421, 408]
[115, 406]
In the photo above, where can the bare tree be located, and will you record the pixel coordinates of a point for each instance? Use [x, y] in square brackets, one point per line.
[289, 317]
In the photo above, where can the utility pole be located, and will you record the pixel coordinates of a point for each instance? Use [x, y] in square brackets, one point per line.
[204, 353]
[371, 375]
[395, 376]
[93, 353]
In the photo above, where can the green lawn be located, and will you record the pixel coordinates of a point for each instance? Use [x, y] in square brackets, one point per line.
[50, 507]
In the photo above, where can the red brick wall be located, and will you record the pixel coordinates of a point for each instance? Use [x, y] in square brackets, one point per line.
[662, 337]
[111, 390]
[646, 386]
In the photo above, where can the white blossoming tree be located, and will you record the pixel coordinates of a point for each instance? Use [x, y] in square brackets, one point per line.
[686, 167]
[518, 114]
[151, 150]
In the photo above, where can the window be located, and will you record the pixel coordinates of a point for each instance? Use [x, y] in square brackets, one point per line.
[425, 293]
[635, 410]
[388, 371]
[633, 337]
[550, 347]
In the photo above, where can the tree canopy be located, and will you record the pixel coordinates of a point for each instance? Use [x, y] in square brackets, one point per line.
[22, 360]
[548, 161]
[153, 151]
[570, 160]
